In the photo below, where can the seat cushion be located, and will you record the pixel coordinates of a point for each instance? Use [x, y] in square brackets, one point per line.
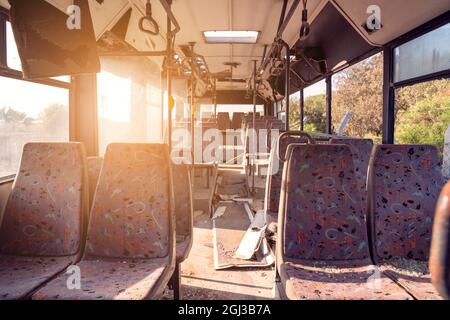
[110, 280]
[19, 276]
[412, 275]
[304, 280]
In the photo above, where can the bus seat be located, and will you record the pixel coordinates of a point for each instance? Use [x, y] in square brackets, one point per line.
[361, 151]
[273, 189]
[94, 166]
[404, 184]
[223, 121]
[43, 226]
[130, 250]
[184, 211]
[440, 250]
[237, 120]
[323, 249]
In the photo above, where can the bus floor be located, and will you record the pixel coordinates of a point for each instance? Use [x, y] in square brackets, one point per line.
[200, 281]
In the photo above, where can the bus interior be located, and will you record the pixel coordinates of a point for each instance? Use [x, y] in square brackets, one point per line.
[224, 150]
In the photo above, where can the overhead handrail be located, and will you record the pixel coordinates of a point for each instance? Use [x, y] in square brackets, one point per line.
[171, 16]
[171, 34]
[281, 30]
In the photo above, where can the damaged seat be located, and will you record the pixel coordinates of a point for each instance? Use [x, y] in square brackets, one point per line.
[184, 220]
[275, 176]
[323, 250]
[130, 250]
[404, 185]
[43, 227]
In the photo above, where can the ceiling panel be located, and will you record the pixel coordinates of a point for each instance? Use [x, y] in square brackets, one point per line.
[397, 16]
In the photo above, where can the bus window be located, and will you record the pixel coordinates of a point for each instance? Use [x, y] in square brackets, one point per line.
[129, 104]
[29, 112]
[315, 108]
[423, 113]
[359, 90]
[425, 55]
[13, 59]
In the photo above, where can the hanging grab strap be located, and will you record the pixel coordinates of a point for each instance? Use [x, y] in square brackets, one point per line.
[149, 18]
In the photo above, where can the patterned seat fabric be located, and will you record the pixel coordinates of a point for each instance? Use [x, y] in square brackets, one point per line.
[130, 217]
[361, 151]
[19, 276]
[223, 121]
[237, 120]
[131, 246]
[183, 209]
[324, 250]
[109, 280]
[339, 281]
[404, 185]
[324, 218]
[94, 166]
[43, 225]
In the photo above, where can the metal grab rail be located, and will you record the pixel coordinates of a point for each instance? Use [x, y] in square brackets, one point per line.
[171, 16]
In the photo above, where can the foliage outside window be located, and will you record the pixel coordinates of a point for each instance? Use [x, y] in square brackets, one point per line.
[423, 113]
[315, 109]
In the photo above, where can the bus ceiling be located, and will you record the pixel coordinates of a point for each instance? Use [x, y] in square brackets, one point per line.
[338, 34]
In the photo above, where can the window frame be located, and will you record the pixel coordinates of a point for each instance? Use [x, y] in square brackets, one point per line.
[7, 72]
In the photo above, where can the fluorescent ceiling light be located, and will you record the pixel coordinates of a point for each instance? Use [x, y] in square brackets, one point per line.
[231, 36]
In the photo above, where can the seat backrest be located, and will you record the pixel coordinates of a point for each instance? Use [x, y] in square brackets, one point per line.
[440, 245]
[48, 206]
[94, 166]
[132, 215]
[274, 179]
[184, 211]
[361, 151]
[237, 120]
[404, 184]
[223, 120]
[321, 217]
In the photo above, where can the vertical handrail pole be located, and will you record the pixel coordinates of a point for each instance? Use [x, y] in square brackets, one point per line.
[170, 99]
[287, 82]
[192, 103]
[255, 144]
[329, 97]
[215, 98]
[302, 110]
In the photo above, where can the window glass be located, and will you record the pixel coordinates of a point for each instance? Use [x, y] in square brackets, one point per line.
[423, 113]
[315, 107]
[13, 59]
[425, 55]
[358, 100]
[129, 105]
[29, 112]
